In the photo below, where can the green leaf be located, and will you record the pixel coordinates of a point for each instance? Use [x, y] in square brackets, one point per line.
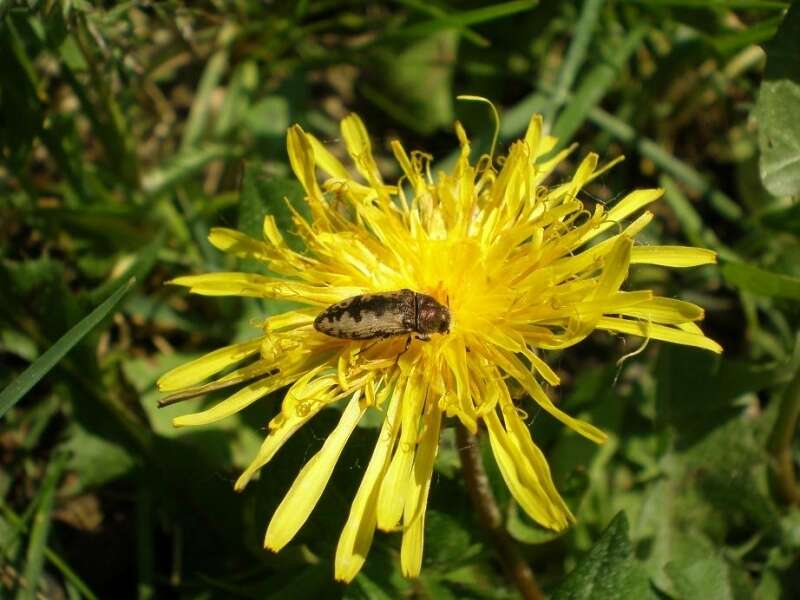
[704, 576]
[95, 459]
[696, 389]
[778, 110]
[264, 194]
[22, 384]
[778, 114]
[609, 571]
[522, 528]
[763, 283]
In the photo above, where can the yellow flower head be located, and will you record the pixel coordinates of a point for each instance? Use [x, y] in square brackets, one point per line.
[512, 260]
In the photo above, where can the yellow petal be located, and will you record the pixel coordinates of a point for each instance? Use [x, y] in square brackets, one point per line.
[631, 203]
[583, 173]
[273, 442]
[201, 368]
[356, 538]
[530, 497]
[307, 396]
[259, 286]
[358, 145]
[534, 459]
[301, 158]
[512, 365]
[307, 488]
[533, 136]
[664, 310]
[414, 511]
[233, 404]
[659, 332]
[226, 284]
[394, 488]
[327, 161]
[237, 243]
[672, 256]
[615, 268]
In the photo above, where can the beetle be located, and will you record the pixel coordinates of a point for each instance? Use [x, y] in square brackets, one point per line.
[383, 315]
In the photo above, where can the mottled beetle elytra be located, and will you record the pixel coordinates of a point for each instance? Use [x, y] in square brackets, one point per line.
[384, 315]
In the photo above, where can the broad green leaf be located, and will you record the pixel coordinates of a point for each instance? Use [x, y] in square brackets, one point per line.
[608, 571]
[230, 443]
[264, 195]
[244, 82]
[778, 110]
[763, 283]
[28, 378]
[705, 576]
[269, 118]
[697, 390]
[95, 459]
[452, 538]
[778, 114]
[522, 528]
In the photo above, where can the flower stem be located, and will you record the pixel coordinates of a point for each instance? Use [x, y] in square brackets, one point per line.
[514, 564]
[784, 480]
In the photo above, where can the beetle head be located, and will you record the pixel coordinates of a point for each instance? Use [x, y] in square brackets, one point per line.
[432, 317]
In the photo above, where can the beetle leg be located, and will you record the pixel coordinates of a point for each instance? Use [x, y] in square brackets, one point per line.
[408, 344]
[380, 339]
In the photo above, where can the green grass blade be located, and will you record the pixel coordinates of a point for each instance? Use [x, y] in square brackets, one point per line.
[576, 54]
[434, 11]
[723, 4]
[184, 165]
[721, 202]
[38, 369]
[468, 17]
[691, 222]
[37, 544]
[594, 87]
[198, 119]
[19, 523]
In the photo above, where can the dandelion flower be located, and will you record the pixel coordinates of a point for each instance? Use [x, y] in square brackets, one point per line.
[518, 264]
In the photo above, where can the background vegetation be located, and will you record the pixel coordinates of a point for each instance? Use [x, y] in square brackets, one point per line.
[128, 129]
